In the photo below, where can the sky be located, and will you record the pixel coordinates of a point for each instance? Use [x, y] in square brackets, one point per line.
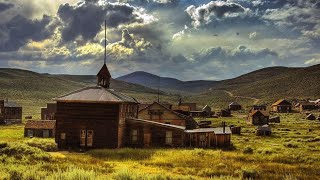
[184, 39]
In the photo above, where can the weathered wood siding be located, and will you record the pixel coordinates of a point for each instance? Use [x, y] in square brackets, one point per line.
[166, 117]
[39, 132]
[1, 111]
[103, 119]
[13, 113]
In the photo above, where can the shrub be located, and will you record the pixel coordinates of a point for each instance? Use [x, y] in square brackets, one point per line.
[122, 154]
[21, 150]
[291, 145]
[247, 150]
[249, 174]
[3, 145]
[73, 173]
[45, 144]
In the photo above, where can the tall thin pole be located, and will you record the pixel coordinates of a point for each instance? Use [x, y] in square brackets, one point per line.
[159, 90]
[105, 41]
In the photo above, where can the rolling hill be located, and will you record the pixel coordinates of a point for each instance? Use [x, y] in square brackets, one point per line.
[166, 83]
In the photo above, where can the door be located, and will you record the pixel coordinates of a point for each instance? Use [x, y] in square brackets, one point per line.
[202, 140]
[45, 133]
[86, 138]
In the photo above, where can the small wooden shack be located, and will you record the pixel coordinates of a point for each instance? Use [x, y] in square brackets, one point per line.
[311, 117]
[281, 106]
[225, 113]
[258, 117]
[307, 106]
[160, 113]
[192, 106]
[275, 119]
[198, 114]
[208, 137]
[207, 109]
[11, 111]
[234, 106]
[40, 128]
[2, 112]
[264, 130]
[48, 113]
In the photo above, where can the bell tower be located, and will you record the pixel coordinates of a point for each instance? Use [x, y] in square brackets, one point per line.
[104, 75]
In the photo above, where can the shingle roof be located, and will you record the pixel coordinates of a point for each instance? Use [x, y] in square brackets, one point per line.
[40, 124]
[96, 94]
[11, 104]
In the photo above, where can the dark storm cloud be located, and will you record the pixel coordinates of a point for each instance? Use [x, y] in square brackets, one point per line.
[85, 18]
[19, 30]
[5, 6]
[204, 14]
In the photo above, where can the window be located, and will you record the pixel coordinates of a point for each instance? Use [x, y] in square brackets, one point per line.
[30, 133]
[202, 140]
[63, 136]
[134, 135]
[86, 138]
[89, 138]
[169, 137]
[45, 133]
[82, 137]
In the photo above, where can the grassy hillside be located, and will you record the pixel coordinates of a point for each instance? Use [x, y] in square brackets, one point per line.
[33, 90]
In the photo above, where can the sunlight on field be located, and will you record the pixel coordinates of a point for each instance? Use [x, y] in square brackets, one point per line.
[292, 152]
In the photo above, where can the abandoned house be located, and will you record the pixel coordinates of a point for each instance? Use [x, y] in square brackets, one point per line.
[48, 113]
[307, 106]
[234, 106]
[275, 119]
[264, 130]
[40, 128]
[225, 113]
[161, 113]
[208, 110]
[258, 117]
[11, 112]
[311, 117]
[198, 114]
[281, 106]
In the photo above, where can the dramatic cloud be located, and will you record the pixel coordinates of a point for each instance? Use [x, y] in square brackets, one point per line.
[85, 18]
[215, 9]
[5, 6]
[19, 30]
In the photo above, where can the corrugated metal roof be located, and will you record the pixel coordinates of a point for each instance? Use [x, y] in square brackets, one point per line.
[218, 130]
[40, 124]
[155, 123]
[11, 104]
[96, 94]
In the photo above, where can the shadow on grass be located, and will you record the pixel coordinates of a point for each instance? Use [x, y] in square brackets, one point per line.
[122, 154]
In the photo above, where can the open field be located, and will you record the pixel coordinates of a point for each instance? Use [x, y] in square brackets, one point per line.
[292, 152]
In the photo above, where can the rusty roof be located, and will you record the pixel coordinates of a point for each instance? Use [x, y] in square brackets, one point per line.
[40, 124]
[134, 120]
[217, 130]
[281, 101]
[96, 94]
[265, 113]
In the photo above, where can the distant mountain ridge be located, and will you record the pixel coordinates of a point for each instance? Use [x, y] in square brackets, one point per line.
[263, 83]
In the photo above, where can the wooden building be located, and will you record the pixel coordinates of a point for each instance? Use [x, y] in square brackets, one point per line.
[161, 113]
[93, 117]
[264, 130]
[311, 117]
[282, 106]
[40, 128]
[258, 117]
[307, 106]
[11, 112]
[275, 119]
[199, 114]
[146, 133]
[192, 106]
[208, 137]
[2, 112]
[48, 113]
[234, 106]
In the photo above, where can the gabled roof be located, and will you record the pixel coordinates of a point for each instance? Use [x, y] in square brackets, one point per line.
[11, 104]
[265, 113]
[178, 114]
[96, 94]
[40, 124]
[281, 102]
[104, 71]
[234, 104]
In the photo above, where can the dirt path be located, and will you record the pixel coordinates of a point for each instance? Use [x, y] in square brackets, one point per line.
[255, 100]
